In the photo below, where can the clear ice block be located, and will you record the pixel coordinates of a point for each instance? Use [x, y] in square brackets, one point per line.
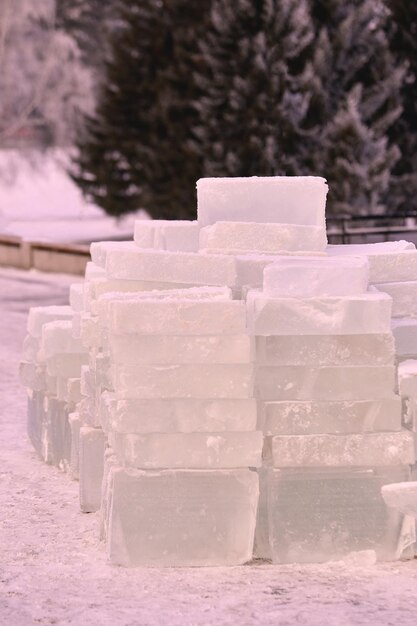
[368, 313]
[188, 450]
[310, 418]
[310, 277]
[183, 381]
[405, 337]
[324, 383]
[318, 515]
[272, 199]
[171, 349]
[178, 415]
[177, 317]
[356, 450]
[320, 350]
[182, 517]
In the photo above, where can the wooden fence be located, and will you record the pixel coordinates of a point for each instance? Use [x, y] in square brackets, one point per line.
[43, 256]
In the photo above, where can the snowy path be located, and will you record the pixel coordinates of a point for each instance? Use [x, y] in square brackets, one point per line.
[53, 571]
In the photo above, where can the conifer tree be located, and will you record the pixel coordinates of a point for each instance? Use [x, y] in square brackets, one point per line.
[136, 153]
[403, 33]
[356, 102]
[255, 86]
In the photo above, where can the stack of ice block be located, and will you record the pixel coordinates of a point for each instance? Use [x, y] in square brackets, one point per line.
[194, 338]
[325, 383]
[51, 371]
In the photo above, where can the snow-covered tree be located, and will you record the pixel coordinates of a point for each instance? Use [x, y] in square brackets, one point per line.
[355, 104]
[403, 33]
[255, 84]
[43, 83]
[136, 153]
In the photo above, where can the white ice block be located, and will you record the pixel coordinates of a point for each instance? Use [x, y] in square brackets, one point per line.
[73, 390]
[100, 249]
[170, 349]
[66, 365]
[178, 267]
[407, 378]
[310, 418]
[369, 449]
[324, 383]
[183, 381]
[368, 313]
[176, 317]
[326, 514]
[172, 235]
[57, 338]
[110, 461]
[197, 294]
[404, 297]
[40, 315]
[188, 450]
[319, 350]
[283, 199]
[267, 238]
[178, 415]
[91, 463]
[309, 277]
[389, 261]
[405, 337]
[76, 296]
[182, 517]
[90, 331]
[402, 497]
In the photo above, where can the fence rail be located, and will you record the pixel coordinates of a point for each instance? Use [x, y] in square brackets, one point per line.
[44, 256]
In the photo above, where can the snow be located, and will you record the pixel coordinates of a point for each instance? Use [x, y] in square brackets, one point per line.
[40, 202]
[55, 571]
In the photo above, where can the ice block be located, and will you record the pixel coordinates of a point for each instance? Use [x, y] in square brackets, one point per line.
[40, 315]
[188, 450]
[402, 497]
[180, 349]
[309, 277]
[176, 317]
[407, 378]
[318, 515]
[377, 349]
[369, 449]
[309, 418]
[178, 267]
[404, 297]
[178, 415]
[279, 199]
[297, 382]
[405, 337]
[183, 381]
[368, 313]
[172, 235]
[182, 517]
[266, 238]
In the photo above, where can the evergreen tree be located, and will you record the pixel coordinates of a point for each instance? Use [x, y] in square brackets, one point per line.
[255, 84]
[356, 102]
[136, 153]
[403, 33]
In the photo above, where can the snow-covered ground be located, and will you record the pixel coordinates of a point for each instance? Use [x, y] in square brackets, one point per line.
[53, 570]
[40, 202]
